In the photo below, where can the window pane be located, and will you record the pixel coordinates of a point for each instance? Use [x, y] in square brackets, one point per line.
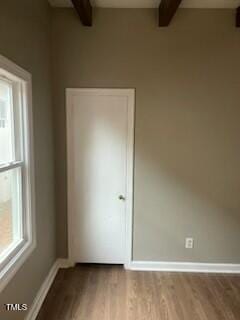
[6, 123]
[10, 208]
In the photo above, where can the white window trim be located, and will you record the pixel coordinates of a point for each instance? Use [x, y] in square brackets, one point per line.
[23, 249]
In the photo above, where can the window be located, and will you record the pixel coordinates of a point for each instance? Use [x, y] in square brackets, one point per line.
[16, 173]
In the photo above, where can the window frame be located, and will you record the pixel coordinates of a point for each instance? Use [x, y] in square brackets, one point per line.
[17, 253]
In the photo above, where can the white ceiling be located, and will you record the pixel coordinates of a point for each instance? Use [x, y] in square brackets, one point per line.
[151, 3]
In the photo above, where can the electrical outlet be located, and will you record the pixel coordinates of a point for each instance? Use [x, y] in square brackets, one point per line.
[189, 243]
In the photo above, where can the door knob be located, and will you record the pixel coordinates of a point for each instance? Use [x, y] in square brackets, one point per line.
[121, 198]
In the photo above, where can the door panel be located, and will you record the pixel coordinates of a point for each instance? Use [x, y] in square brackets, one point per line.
[98, 161]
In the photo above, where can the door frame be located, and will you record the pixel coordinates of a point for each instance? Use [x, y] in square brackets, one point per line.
[130, 94]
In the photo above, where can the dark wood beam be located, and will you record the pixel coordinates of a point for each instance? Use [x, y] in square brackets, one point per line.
[84, 10]
[167, 10]
[238, 17]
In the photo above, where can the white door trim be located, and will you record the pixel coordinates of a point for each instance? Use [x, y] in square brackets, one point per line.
[130, 94]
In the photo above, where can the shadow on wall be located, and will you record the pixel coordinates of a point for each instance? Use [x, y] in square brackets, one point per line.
[189, 184]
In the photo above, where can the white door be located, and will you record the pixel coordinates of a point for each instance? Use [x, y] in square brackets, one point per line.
[98, 173]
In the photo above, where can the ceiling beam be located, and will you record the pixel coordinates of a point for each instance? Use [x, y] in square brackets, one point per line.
[238, 17]
[84, 10]
[167, 10]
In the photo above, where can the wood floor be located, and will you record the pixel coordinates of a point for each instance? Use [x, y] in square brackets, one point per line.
[94, 292]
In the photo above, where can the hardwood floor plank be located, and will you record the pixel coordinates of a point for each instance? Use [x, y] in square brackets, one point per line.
[100, 292]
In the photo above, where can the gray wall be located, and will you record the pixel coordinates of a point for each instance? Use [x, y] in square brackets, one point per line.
[24, 38]
[187, 149]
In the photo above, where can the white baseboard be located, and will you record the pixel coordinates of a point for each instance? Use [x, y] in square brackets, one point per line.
[43, 291]
[184, 267]
[65, 263]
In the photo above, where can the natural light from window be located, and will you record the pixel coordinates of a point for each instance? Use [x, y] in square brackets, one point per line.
[10, 196]
[16, 174]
